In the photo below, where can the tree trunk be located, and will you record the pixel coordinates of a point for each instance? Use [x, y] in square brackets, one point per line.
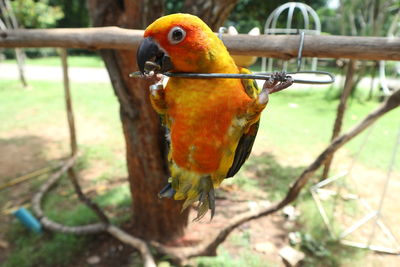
[10, 22]
[348, 85]
[213, 12]
[153, 218]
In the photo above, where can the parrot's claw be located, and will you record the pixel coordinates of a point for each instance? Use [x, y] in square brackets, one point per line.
[206, 202]
[211, 202]
[167, 191]
[277, 82]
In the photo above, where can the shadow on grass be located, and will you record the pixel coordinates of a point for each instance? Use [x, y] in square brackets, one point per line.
[271, 176]
[21, 154]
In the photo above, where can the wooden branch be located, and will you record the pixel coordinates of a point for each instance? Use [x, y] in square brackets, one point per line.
[137, 243]
[51, 225]
[180, 255]
[86, 38]
[68, 102]
[94, 228]
[88, 202]
[37, 198]
[278, 46]
[348, 85]
[90, 228]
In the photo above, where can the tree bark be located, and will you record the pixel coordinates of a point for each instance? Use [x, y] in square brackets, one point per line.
[212, 12]
[276, 46]
[153, 218]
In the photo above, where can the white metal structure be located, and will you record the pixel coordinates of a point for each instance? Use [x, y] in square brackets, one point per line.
[371, 215]
[393, 31]
[313, 28]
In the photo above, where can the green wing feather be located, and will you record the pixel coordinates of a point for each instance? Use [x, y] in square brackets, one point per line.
[246, 142]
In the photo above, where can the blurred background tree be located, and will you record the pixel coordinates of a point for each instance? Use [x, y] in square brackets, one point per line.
[36, 14]
[248, 14]
[75, 13]
[374, 19]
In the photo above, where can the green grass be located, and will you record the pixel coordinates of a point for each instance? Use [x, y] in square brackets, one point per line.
[307, 128]
[304, 130]
[43, 106]
[225, 259]
[73, 61]
[322, 249]
[42, 250]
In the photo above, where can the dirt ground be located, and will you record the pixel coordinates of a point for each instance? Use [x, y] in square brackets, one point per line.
[32, 148]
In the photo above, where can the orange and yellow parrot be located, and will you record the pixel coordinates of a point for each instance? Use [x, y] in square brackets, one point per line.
[212, 123]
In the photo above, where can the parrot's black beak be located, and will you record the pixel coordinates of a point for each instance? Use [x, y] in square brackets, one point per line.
[150, 57]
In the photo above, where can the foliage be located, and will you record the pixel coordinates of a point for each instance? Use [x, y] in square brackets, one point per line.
[173, 6]
[76, 13]
[36, 14]
[253, 13]
[329, 18]
[373, 19]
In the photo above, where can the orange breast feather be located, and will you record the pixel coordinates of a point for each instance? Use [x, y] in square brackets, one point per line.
[201, 113]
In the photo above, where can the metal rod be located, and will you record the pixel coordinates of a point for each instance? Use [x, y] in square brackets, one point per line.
[256, 76]
[382, 224]
[358, 224]
[329, 180]
[299, 55]
[321, 210]
[372, 247]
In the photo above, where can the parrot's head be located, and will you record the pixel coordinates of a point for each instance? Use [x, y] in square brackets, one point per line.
[182, 43]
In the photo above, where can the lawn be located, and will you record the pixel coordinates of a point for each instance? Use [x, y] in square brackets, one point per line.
[295, 128]
[73, 61]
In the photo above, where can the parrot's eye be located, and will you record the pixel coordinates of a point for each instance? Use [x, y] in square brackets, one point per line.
[176, 35]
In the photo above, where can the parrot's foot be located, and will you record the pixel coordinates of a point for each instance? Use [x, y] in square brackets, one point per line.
[277, 82]
[192, 191]
[167, 191]
[206, 202]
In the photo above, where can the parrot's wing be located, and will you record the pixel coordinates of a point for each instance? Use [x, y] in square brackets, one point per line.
[243, 149]
[246, 142]
[250, 86]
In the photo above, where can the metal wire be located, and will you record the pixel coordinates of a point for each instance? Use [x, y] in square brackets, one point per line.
[256, 76]
[300, 53]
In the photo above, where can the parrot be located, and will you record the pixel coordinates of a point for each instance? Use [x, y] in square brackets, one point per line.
[211, 123]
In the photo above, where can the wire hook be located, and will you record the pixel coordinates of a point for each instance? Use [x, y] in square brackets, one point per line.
[300, 51]
[221, 31]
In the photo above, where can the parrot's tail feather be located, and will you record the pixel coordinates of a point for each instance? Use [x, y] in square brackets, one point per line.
[167, 191]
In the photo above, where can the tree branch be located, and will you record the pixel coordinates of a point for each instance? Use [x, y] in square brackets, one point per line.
[90, 228]
[88, 202]
[137, 243]
[277, 46]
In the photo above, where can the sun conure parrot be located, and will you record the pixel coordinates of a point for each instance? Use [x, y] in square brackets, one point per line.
[212, 123]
